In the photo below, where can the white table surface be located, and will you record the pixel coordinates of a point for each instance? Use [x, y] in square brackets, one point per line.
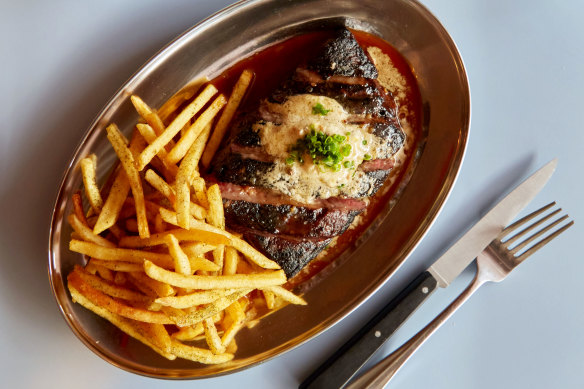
[62, 60]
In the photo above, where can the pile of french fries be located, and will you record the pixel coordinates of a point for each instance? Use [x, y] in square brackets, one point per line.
[160, 264]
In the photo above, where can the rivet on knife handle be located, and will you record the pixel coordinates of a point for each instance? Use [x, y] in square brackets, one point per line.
[341, 367]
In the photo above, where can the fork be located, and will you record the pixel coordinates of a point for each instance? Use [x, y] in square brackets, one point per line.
[494, 264]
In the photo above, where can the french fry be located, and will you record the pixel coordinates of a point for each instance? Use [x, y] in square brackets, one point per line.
[78, 208]
[197, 249]
[258, 280]
[159, 184]
[270, 298]
[159, 224]
[252, 254]
[86, 233]
[88, 168]
[197, 211]
[114, 202]
[221, 127]
[218, 257]
[171, 217]
[181, 261]
[198, 185]
[135, 329]
[187, 139]
[231, 259]
[195, 234]
[197, 354]
[176, 125]
[119, 254]
[209, 310]
[182, 185]
[109, 288]
[237, 315]
[148, 115]
[193, 299]
[172, 104]
[231, 347]
[115, 306]
[215, 216]
[189, 333]
[105, 273]
[118, 266]
[284, 294]
[150, 136]
[160, 288]
[212, 337]
[200, 263]
[127, 160]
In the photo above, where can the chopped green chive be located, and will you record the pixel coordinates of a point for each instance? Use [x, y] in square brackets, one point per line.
[319, 109]
[325, 150]
[366, 157]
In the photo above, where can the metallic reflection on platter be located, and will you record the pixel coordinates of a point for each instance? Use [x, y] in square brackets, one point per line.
[226, 38]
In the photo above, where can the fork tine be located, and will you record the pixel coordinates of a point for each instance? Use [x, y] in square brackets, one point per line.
[539, 233]
[543, 242]
[522, 221]
[523, 232]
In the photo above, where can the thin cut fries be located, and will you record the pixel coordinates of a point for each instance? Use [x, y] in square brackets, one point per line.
[130, 327]
[194, 234]
[150, 136]
[118, 266]
[88, 168]
[181, 261]
[189, 333]
[113, 205]
[185, 142]
[212, 337]
[285, 294]
[176, 125]
[118, 254]
[197, 354]
[127, 159]
[221, 128]
[257, 280]
[115, 306]
[109, 288]
[148, 115]
[196, 298]
[78, 207]
[189, 279]
[86, 233]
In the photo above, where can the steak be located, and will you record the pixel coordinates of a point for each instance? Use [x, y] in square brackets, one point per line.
[285, 204]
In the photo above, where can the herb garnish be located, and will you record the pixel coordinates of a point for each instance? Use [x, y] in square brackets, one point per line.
[319, 109]
[327, 150]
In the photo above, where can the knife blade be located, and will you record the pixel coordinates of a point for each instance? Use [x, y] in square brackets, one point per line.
[343, 365]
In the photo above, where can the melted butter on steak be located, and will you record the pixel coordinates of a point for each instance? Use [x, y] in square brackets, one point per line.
[305, 182]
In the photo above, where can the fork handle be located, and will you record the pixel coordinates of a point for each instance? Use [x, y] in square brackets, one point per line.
[344, 364]
[379, 375]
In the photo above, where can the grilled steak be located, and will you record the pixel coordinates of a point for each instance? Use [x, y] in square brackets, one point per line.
[299, 166]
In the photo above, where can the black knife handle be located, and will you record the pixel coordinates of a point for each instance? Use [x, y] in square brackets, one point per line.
[341, 367]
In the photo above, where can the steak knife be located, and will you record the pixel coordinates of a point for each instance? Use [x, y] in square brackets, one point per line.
[343, 365]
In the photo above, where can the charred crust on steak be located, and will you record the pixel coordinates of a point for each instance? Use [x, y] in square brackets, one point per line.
[288, 219]
[344, 57]
[291, 255]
